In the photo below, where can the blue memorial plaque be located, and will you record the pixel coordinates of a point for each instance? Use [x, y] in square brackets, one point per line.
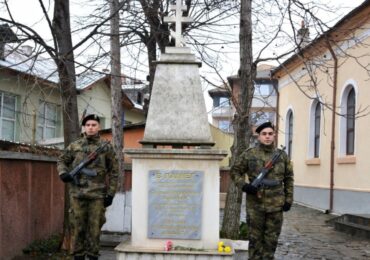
[175, 204]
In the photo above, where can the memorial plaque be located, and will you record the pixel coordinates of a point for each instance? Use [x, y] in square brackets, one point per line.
[175, 204]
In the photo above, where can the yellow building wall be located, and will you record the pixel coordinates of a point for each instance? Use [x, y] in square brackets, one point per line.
[134, 116]
[97, 100]
[222, 141]
[353, 175]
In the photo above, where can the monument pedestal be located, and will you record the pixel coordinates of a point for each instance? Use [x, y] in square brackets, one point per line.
[175, 197]
[175, 192]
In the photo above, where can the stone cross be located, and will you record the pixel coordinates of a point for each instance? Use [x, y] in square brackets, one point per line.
[178, 19]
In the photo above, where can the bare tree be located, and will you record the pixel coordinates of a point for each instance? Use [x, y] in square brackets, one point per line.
[116, 88]
[247, 71]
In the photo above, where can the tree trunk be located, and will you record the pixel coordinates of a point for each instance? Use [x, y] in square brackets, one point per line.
[152, 55]
[66, 69]
[116, 90]
[242, 135]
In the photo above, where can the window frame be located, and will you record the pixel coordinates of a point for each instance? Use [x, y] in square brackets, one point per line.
[289, 132]
[350, 122]
[316, 126]
[44, 123]
[350, 87]
[2, 118]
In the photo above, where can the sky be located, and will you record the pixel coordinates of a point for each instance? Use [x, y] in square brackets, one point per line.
[21, 11]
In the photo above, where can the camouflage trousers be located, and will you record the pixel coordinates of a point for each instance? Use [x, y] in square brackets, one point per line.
[87, 216]
[263, 229]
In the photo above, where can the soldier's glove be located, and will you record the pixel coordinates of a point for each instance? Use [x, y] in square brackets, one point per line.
[286, 206]
[65, 177]
[108, 200]
[249, 189]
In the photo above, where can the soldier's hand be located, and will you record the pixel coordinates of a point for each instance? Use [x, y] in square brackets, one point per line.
[249, 189]
[65, 177]
[108, 200]
[286, 206]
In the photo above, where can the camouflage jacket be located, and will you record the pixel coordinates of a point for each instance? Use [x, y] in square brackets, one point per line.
[105, 165]
[248, 166]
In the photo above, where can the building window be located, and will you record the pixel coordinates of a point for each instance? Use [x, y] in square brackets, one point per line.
[347, 121]
[350, 125]
[221, 102]
[7, 116]
[224, 102]
[225, 125]
[289, 133]
[139, 98]
[47, 121]
[260, 117]
[317, 130]
[264, 90]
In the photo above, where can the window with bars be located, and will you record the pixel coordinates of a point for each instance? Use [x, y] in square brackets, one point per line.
[8, 116]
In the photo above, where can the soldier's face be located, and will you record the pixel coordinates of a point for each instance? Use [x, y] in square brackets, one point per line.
[92, 127]
[267, 136]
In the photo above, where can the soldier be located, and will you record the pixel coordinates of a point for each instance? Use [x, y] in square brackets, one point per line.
[265, 206]
[89, 199]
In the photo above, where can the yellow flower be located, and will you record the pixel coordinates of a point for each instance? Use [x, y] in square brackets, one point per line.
[227, 249]
[220, 244]
[220, 249]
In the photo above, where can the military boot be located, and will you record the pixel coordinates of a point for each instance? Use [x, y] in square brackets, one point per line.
[79, 257]
[91, 257]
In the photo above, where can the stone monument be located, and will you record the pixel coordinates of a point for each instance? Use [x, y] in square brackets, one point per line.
[175, 176]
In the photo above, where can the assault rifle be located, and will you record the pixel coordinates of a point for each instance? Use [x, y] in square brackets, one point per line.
[260, 179]
[80, 168]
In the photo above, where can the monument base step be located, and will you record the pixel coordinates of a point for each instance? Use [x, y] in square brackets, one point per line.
[125, 251]
[113, 239]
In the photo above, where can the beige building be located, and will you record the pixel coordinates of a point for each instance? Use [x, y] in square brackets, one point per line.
[30, 98]
[324, 117]
[94, 97]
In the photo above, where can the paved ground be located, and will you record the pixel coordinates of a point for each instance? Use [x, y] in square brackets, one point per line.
[306, 235]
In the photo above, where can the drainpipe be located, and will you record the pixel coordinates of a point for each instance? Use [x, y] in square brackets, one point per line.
[333, 117]
[276, 88]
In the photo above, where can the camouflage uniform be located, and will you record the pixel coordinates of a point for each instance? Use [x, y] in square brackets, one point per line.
[264, 210]
[87, 211]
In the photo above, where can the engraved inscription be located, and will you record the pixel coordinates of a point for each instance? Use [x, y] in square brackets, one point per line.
[175, 204]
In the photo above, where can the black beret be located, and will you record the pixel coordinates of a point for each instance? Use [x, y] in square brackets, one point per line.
[263, 126]
[90, 117]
